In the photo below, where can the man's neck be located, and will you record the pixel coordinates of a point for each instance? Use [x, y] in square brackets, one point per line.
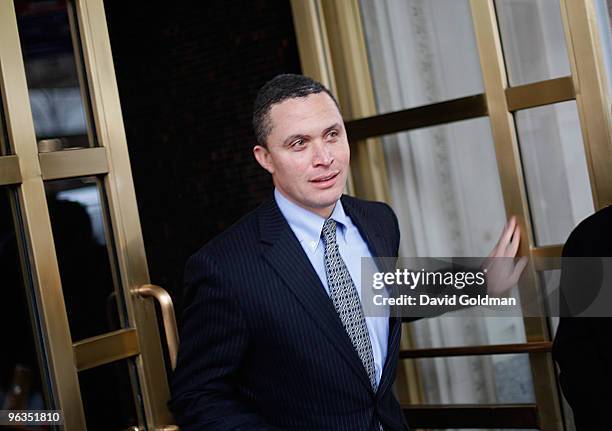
[323, 212]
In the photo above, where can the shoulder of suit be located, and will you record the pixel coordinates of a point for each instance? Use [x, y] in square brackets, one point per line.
[379, 211]
[366, 205]
[240, 236]
[591, 231]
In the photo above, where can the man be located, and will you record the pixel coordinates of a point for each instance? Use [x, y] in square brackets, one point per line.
[273, 333]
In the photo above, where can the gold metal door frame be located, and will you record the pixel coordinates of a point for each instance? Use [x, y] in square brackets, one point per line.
[512, 181]
[27, 169]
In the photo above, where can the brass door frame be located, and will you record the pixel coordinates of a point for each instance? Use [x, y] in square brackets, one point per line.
[33, 204]
[592, 94]
[346, 54]
[26, 169]
[512, 181]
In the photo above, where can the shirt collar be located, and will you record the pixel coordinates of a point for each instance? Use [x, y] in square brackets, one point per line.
[307, 225]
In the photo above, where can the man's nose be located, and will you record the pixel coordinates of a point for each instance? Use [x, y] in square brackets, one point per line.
[322, 155]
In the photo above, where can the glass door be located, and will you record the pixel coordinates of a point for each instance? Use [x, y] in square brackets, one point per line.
[80, 327]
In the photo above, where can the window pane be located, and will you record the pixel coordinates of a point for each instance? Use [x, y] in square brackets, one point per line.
[420, 52]
[111, 396]
[55, 82]
[446, 192]
[93, 300]
[603, 9]
[484, 379]
[445, 189]
[550, 282]
[555, 170]
[22, 382]
[533, 40]
[5, 147]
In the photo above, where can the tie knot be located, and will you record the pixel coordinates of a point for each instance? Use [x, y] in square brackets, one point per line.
[329, 231]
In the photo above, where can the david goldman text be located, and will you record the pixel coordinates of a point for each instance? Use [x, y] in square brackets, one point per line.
[444, 300]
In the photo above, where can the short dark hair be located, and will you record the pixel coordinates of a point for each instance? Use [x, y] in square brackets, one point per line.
[277, 90]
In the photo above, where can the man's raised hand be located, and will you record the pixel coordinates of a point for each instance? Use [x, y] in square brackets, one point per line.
[502, 270]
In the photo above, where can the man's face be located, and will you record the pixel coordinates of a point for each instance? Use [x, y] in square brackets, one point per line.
[308, 152]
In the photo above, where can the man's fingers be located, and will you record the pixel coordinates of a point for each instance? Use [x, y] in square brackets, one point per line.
[507, 234]
[515, 242]
[504, 238]
[518, 269]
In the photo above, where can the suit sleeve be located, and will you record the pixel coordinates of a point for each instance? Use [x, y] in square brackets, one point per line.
[214, 339]
[435, 290]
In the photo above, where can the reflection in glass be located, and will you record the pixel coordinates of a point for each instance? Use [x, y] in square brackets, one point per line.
[445, 190]
[420, 52]
[56, 89]
[21, 385]
[533, 40]
[491, 379]
[555, 169]
[77, 213]
[109, 394]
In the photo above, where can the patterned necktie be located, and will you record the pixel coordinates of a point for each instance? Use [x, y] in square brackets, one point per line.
[345, 298]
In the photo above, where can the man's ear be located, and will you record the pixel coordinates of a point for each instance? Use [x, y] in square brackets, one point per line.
[262, 155]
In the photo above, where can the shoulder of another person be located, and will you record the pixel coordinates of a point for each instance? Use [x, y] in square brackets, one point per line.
[589, 230]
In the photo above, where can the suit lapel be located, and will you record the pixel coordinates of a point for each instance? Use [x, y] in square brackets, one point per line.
[285, 254]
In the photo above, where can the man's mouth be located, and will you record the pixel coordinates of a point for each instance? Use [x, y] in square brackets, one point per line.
[325, 177]
[325, 181]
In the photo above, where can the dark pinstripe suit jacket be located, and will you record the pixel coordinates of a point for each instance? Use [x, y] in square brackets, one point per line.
[262, 347]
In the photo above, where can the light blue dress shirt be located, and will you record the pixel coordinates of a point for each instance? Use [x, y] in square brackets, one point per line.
[307, 227]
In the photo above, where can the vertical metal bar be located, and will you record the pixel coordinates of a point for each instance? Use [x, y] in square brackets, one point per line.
[39, 237]
[314, 50]
[123, 208]
[313, 44]
[515, 199]
[592, 96]
[356, 94]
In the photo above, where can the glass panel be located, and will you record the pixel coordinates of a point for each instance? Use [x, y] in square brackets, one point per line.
[21, 377]
[5, 147]
[51, 54]
[550, 281]
[533, 40]
[603, 8]
[484, 379]
[555, 170]
[78, 216]
[445, 189]
[420, 52]
[111, 396]
[446, 192]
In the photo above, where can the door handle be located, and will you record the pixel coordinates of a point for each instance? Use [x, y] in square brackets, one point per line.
[168, 317]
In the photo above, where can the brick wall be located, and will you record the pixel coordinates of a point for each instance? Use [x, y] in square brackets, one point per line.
[187, 79]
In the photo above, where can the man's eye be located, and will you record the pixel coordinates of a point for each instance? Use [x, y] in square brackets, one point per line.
[297, 143]
[333, 134]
